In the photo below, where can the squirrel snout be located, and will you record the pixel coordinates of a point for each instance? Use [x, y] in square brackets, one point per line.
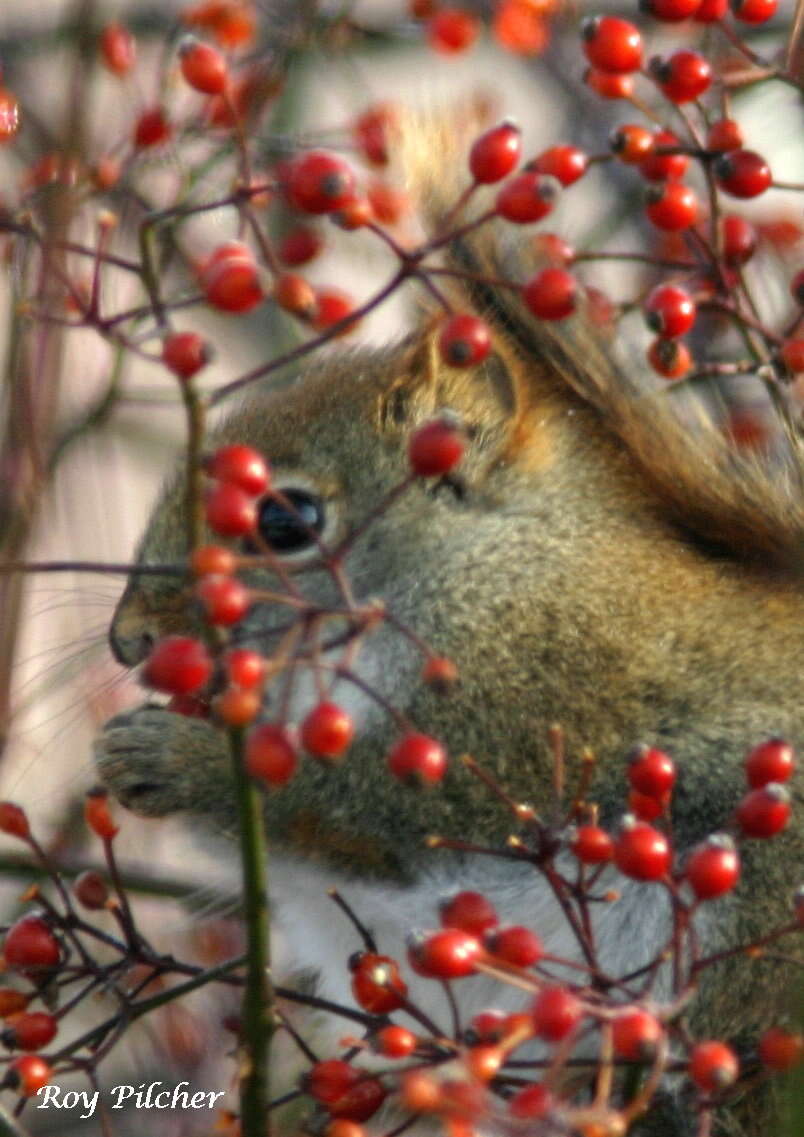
[130, 649]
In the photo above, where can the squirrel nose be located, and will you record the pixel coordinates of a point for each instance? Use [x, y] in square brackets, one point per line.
[130, 648]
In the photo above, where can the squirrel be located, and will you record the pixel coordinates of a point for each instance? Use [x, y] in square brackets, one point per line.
[597, 562]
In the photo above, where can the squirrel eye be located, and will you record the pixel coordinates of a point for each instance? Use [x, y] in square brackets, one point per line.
[290, 528]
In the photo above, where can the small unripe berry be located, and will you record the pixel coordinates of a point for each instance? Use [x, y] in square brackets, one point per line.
[178, 665]
[556, 1013]
[495, 153]
[436, 447]
[713, 1066]
[98, 815]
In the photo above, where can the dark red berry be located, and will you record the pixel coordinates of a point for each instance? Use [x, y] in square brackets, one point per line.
[564, 162]
[641, 851]
[792, 355]
[371, 130]
[515, 944]
[683, 76]
[527, 197]
[319, 182]
[764, 812]
[447, 954]
[360, 1102]
[711, 11]
[178, 665]
[742, 173]
[31, 1031]
[230, 511]
[780, 1049]
[495, 153]
[556, 1013]
[152, 128]
[612, 44]
[299, 246]
[91, 890]
[531, 1103]
[739, 240]
[13, 820]
[470, 911]
[332, 305]
[30, 944]
[327, 731]
[464, 341]
[552, 294]
[713, 1066]
[713, 867]
[271, 754]
[241, 465]
[436, 447]
[771, 761]
[418, 759]
[329, 1080]
[672, 207]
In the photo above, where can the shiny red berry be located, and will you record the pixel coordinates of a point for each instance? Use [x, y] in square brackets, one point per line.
[178, 665]
[531, 1103]
[31, 945]
[244, 667]
[713, 867]
[452, 30]
[764, 812]
[592, 845]
[447, 954]
[642, 852]
[271, 754]
[552, 294]
[556, 1013]
[612, 44]
[185, 353]
[418, 759]
[670, 11]
[230, 279]
[669, 358]
[632, 143]
[645, 807]
[295, 294]
[470, 911]
[13, 820]
[725, 134]
[395, 1042]
[515, 944]
[203, 66]
[371, 131]
[711, 11]
[771, 761]
[299, 246]
[332, 305]
[495, 153]
[754, 11]
[670, 311]
[742, 173]
[651, 771]
[564, 162]
[672, 207]
[360, 1102]
[527, 197]
[230, 511]
[739, 240]
[152, 128]
[377, 984]
[436, 447]
[464, 341]
[30, 1073]
[792, 355]
[118, 49]
[780, 1049]
[683, 76]
[487, 1027]
[660, 166]
[241, 465]
[213, 560]
[608, 84]
[327, 731]
[636, 1034]
[224, 599]
[319, 182]
[713, 1066]
[329, 1080]
[31, 1031]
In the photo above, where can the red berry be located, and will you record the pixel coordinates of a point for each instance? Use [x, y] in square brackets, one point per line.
[236, 707]
[361, 1101]
[464, 341]
[566, 163]
[327, 731]
[31, 1073]
[98, 816]
[230, 278]
[670, 11]
[651, 771]
[792, 355]
[418, 759]
[672, 207]
[711, 11]
[754, 11]
[395, 1042]
[447, 954]
[225, 599]
[230, 511]
[516, 945]
[376, 983]
[670, 311]
[388, 203]
[245, 668]
[554, 249]
[31, 1031]
[203, 66]
[271, 754]
[231, 22]
[641, 851]
[242, 466]
[371, 130]
[592, 845]
[9, 116]
[436, 447]
[764, 812]
[299, 246]
[612, 44]
[487, 1026]
[30, 944]
[295, 294]
[531, 1103]
[645, 807]
[608, 84]
[90, 890]
[669, 358]
[739, 240]
[152, 128]
[725, 134]
[331, 306]
[452, 30]
[495, 153]
[662, 167]
[118, 49]
[356, 213]
[556, 1013]
[319, 182]
[12, 1001]
[470, 911]
[636, 1034]
[527, 197]
[440, 674]
[771, 761]
[797, 287]
[713, 867]
[13, 820]
[780, 1049]
[552, 294]
[178, 665]
[483, 1062]
[713, 1066]
[185, 353]
[327, 1081]
[683, 76]
[742, 173]
[632, 143]
[213, 560]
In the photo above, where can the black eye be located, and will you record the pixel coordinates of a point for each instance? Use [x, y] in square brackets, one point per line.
[289, 528]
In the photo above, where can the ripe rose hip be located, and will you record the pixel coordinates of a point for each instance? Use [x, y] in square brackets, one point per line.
[30, 1073]
[487, 1027]
[672, 207]
[608, 84]
[245, 668]
[178, 665]
[299, 246]
[662, 167]
[470, 911]
[495, 153]
[464, 341]
[236, 707]
[371, 130]
[552, 294]
[13, 820]
[636, 1034]
[230, 279]
[360, 1102]
[742, 173]
[395, 1042]
[527, 197]
[185, 353]
[152, 128]
[754, 11]
[713, 867]
[447, 954]
[436, 447]
[671, 312]
[556, 1013]
[225, 599]
[203, 66]
[651, 771]
[331, 306]
[230, 511]
[376, 983]
[642, 852]
[30, 944]
[711, 11]
[612, 44]
[713, 1066]
[531, 1103]
[90, 889]
[631, 143]
[645, 807]
[452, 30]
[327, 731]
[739, 240]
[669, 358]
[592, 845]
[566, 163]
[780, 1049]
[213, 560]
[792, 355]
[764, 812]
[725, 134]
[118, 49]
[329, 1080]
[515, 944]
[271, 754]
[242, 466]
[683, 76]
[30, 1031]
[771, 761]
[319, 182]
[418, 759]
